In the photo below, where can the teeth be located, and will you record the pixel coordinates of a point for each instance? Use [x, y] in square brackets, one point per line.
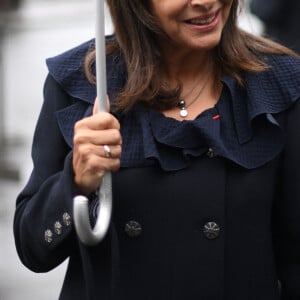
[202, 22]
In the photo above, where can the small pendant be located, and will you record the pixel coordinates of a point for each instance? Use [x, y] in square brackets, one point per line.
[183, 112]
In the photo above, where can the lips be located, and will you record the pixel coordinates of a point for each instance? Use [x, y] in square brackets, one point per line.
[203, 20]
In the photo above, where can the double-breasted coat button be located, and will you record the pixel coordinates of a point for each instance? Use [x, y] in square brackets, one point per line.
[210, 153]
[48, 236]
[133, 229]
[211, 230]
[66, 219]
[57, 228]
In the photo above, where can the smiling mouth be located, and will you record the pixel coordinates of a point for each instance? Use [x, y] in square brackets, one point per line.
[200, 21]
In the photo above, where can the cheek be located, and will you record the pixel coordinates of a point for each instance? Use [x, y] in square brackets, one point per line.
[229, 6]
[167, 21]
[227, 10]
[167, 9]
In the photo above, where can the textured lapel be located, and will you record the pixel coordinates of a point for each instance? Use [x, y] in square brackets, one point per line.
[68, 116]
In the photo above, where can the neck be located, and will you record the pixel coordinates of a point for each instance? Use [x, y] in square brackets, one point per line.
[189, 77]
[185, 69]
[187, 63]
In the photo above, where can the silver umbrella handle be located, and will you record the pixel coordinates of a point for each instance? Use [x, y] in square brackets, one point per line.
[86, 234]
[83, 228]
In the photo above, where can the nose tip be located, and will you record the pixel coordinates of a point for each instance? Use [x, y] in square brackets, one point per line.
[205, 4]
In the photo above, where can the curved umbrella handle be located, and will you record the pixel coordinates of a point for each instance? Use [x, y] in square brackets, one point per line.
[83, 228]
[86, 234]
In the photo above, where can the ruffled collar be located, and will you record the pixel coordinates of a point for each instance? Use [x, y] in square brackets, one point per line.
[68, 70]
[246, 133]
[174, 144]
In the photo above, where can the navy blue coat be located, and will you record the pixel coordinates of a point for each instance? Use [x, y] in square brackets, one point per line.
[248, 185]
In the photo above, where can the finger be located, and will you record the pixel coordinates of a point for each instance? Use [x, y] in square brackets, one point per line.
[96, 105]
[110, 151]
[83, 153]
[94, 168]
[101, 120]
[98, 165]
[98, 138]
[88, 176]
[107, 151]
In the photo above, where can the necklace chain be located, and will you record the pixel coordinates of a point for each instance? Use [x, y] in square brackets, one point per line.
[192, 89]
[182, 104]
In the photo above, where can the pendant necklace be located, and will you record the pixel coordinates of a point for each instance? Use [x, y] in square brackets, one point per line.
[182, 104]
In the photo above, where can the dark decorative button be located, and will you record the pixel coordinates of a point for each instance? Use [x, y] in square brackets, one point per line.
[211, 230]
[133, 229]
[210, 153]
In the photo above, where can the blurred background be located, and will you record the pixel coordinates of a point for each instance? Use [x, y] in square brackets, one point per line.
[31, 31]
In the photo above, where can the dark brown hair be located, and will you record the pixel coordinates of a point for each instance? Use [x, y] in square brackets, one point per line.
[136, 30]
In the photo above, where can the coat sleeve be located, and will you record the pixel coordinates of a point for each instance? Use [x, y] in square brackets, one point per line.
[43, 226]
[287, 210]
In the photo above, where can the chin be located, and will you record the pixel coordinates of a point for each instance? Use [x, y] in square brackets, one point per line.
[206, 45]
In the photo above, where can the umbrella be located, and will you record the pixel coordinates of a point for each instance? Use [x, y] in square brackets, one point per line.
[83, 228]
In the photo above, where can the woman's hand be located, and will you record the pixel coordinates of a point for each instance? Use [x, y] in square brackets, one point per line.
[91, 159]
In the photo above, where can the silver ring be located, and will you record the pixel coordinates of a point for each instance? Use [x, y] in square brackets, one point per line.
[107, 151]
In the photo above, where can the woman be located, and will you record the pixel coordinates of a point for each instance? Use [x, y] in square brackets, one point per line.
[203, 141]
